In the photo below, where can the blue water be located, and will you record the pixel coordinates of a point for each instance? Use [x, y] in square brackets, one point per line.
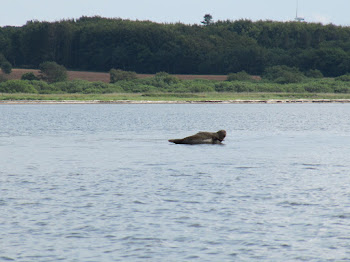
[102, 183]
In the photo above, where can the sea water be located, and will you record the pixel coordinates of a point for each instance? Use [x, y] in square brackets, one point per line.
[102, 183]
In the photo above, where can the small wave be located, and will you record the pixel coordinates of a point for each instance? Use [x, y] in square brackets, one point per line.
[218, 193]
[160, 164]
[75, 235]
[7, 259]
[311, 168]
[132, 238]
[29, 204]
[171, 200]
[311, 165]
[343, 216]
[245, 167]
[109, 236]
[195, 225]
[41, 223]
[192, 202]
[139, 202]
[291, 203]
[180, 175]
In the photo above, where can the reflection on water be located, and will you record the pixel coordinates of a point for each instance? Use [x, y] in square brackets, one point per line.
[102, 183]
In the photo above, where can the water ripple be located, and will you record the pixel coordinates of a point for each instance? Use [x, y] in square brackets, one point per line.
[101, 183]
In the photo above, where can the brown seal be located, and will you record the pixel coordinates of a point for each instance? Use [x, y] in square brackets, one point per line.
[202, 138]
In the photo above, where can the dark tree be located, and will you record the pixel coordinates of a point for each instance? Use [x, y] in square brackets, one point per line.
[52, 72]
[6, 67]
[116, 75]
[29, 76]
[208, 19]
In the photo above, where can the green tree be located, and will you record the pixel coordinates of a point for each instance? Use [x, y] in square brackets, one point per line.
[29, 76]
[344, 78]
[163, 77]
[118, 75]
[6, 67]
[314, 73]
[52, 72]
[240, 76]
[283, 74]
[208, 19]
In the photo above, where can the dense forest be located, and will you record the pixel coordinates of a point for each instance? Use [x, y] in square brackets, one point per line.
[222, 47]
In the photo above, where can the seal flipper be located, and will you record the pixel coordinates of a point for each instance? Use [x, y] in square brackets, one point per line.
[176, 141]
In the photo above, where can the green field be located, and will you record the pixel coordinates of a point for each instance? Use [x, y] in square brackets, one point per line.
[205, 97]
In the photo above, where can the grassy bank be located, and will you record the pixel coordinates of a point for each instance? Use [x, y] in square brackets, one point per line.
[165, 87]
[210, 96]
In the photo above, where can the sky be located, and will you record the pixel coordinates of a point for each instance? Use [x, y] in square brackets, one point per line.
[18, 12]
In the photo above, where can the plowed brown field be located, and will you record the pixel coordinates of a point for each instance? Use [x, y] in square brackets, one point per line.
[104, 77]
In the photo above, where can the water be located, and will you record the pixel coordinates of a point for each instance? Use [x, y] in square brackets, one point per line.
[101, 183]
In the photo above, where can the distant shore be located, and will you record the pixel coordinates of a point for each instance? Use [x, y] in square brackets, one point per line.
[269, 101]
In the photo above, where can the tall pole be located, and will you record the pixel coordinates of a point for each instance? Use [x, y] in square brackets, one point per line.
[299, 19]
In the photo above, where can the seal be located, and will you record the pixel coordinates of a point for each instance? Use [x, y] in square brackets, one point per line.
[202, 138]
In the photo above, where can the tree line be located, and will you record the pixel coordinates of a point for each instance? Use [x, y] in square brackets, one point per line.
[222, 47]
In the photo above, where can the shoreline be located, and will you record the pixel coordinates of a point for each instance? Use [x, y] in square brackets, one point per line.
[268, 101]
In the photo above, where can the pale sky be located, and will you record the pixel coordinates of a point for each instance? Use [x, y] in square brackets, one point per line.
[18, 12]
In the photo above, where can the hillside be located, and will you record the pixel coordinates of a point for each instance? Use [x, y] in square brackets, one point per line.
[99, 44]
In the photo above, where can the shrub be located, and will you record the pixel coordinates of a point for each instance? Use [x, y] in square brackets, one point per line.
[17, 86]
[113, 88]
[166, 78]
[99, 85]
[29, 76]
[120, 75]
[294, 88]
[224, 87]
[270, 88]
[142, 88]
[344, 78]
[162, 82]
[45, 88]
[342, 89]
[283, 74]
[6, 67]
[127, 86]
[2, 78]
[244, 87]
[52, 72]
[240, 76]
[314, 73]
[200, 87]
[75, 86]
[318, 89]
[92, 90]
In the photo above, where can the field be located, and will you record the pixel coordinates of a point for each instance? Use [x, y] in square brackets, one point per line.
[104, 77]
[206, 89]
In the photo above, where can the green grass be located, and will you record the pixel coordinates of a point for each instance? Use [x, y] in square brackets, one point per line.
[173, 96]
[167, 88]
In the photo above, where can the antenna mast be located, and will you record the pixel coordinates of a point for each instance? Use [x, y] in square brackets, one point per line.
[299, 19]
